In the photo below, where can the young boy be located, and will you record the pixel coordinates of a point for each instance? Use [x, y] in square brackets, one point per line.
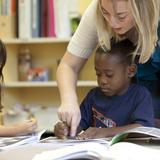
[117, 104]
[23, 128]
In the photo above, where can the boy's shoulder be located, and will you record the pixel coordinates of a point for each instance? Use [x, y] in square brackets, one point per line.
[134, 90]
[139, 89]
[96, 91]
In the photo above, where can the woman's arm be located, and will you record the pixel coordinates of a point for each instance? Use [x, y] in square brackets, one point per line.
[81, 46]
[67, 74]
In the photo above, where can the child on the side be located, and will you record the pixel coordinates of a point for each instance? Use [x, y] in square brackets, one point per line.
[22, 128]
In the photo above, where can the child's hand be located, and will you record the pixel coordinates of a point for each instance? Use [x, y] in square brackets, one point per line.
[61, 130]
[25, 127]
[91, 133]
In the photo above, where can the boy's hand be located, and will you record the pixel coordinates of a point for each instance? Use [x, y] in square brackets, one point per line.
[61, 130]
[91, 133]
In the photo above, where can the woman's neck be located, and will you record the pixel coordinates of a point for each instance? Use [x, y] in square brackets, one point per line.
[132, 35]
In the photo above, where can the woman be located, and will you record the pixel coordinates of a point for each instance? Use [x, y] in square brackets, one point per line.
[136, 20]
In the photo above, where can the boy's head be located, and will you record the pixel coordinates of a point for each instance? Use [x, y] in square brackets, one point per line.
[115, 68]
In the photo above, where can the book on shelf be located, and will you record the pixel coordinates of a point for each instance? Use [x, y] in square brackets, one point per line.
[45, 18]
[51, 19]
[24, 19]
[13, 142]
[35, 18]
[62, 19]
[119, 147]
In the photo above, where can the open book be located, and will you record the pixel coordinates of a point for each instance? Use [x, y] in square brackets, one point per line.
[96, 151]
[11, 142]
[114, 149]
[145, 134]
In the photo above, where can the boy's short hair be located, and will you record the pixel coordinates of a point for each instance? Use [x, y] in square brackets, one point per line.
[123, 49]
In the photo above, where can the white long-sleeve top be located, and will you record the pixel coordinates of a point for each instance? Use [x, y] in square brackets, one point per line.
[85, 38]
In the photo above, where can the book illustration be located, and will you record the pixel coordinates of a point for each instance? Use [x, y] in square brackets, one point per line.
[118, 138]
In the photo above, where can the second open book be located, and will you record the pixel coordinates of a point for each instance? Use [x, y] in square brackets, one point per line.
[106, 149]
[13, 142]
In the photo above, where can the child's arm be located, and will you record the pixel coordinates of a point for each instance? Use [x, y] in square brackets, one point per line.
[23, 128]
[94, 132]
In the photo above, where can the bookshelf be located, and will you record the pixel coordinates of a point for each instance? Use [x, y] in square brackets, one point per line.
[45, 52]
[81, 83]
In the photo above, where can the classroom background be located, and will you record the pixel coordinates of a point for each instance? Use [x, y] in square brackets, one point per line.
[36, 34]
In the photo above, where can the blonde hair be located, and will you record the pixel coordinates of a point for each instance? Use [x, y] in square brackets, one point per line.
[146, 15]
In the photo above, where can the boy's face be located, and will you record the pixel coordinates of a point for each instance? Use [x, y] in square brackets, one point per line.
[112, 76]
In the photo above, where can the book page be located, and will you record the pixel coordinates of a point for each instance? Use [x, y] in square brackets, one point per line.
[96, 151]
[137, 132]
[70, 142]
[10, 142]
[84, 150]
[151, 131]
[131, 151]
[27, 151]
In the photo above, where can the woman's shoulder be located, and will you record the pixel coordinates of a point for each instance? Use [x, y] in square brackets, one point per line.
[85, 38]
[90, 12]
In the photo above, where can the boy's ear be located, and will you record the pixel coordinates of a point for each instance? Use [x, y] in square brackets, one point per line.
[132, 69]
